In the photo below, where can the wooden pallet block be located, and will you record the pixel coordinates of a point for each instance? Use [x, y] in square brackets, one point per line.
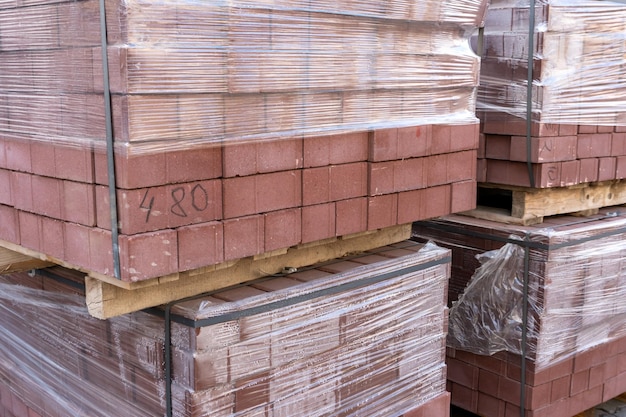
[107, 297]
[528, 206]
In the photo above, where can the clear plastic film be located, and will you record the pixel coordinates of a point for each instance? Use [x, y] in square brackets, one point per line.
[362, 335]
[576, 283]
[579, 62]
[186, 72]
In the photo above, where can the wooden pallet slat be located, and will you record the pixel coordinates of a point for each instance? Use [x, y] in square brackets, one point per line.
[11, 261]
[528, 206]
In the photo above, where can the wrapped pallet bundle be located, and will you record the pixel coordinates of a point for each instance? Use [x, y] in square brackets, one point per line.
[552, 92]
[362, 335]
[538, 316]
[191, 122]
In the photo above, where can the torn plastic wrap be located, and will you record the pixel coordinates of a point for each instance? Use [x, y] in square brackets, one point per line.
[362, 335]
[576, 283]
[578, 62]
[185, 73]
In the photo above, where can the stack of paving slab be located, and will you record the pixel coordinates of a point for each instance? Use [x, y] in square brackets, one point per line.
[577, 121]
[363, 335]
[238, 128]
[575, 274]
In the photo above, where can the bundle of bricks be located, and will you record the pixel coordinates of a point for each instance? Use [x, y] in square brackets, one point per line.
[358, 336]
[576, 337]
[578, 120]
[238, 129]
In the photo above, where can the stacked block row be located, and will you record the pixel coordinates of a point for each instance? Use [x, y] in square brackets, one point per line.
[577, 119]
[358, 336]
[560, 155]
[576, 278]
[188, 209]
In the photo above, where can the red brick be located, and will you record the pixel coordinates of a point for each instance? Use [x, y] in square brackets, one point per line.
[47, 196]
[441, 139]
[594, 145]
[43, 158]
[614, 387]
[18, 156]
[606, 168]
[618, 144]
[587, 129]
[193, 202]
[52, 237]
[395, 176]
[243, 236]
[132, 171]
[148, 255]
[588, 170]
[463, 373]
[464, 137]
[489, 406]
[29, 229]
[200, 245]
[463, 196]
[194, 164]
[101, 251]
[590, 357]
[77, 244]
[570, 171]
[9, 229]
[438, 407]
[481, 170]
[315, 186]
[382, 211]
[488, 382]
[620, 167]
[560, 388]
[556, 409]
[511, 410]
[436, 169]
[248, 158]
[336, 149]
[538, 396]
[283, 228]
[262, 193]
[19, 408]
[410, 206]
[22, 191]
[544, 149]
[605, 129]
[499, 146]
[352, 216]
[464, 397]
[3, 152]
[252, 392]
[78, 202]
[348, 181]
[493, 364]
[393, 144]
[461, 166]
[5, 187]
[597, 375]
[318, 222]
[509, 391]
[436, 202]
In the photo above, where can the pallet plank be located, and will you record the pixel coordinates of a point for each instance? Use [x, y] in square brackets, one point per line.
[529, 206]
[105, 300]
[11, 261]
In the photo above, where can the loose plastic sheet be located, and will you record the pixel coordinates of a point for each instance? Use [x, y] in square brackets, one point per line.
[185, 72]
[363, 335]
[579, 62]
[576, 283]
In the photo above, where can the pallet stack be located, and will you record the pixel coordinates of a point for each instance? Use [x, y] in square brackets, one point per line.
[576, 134]
[348, 106]
[536, 322]
[363, 335]
[240, 131]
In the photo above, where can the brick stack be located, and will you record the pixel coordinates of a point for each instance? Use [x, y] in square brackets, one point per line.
[578, 131]
[576, 335]
[246, 127]
[358, 336]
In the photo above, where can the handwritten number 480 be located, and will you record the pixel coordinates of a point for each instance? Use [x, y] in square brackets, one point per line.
[198, 197]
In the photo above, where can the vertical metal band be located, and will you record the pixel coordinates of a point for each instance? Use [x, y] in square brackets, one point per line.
[529, 91]
[109, 144]
[168, 359]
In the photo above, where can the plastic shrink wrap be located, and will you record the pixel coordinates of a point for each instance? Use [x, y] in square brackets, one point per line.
[363, 335]
[239, 128]
[578, 62]
[185, 72]
[575, 277]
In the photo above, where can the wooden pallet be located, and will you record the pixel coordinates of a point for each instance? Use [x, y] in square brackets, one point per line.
[107, 297]
[528, 206]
